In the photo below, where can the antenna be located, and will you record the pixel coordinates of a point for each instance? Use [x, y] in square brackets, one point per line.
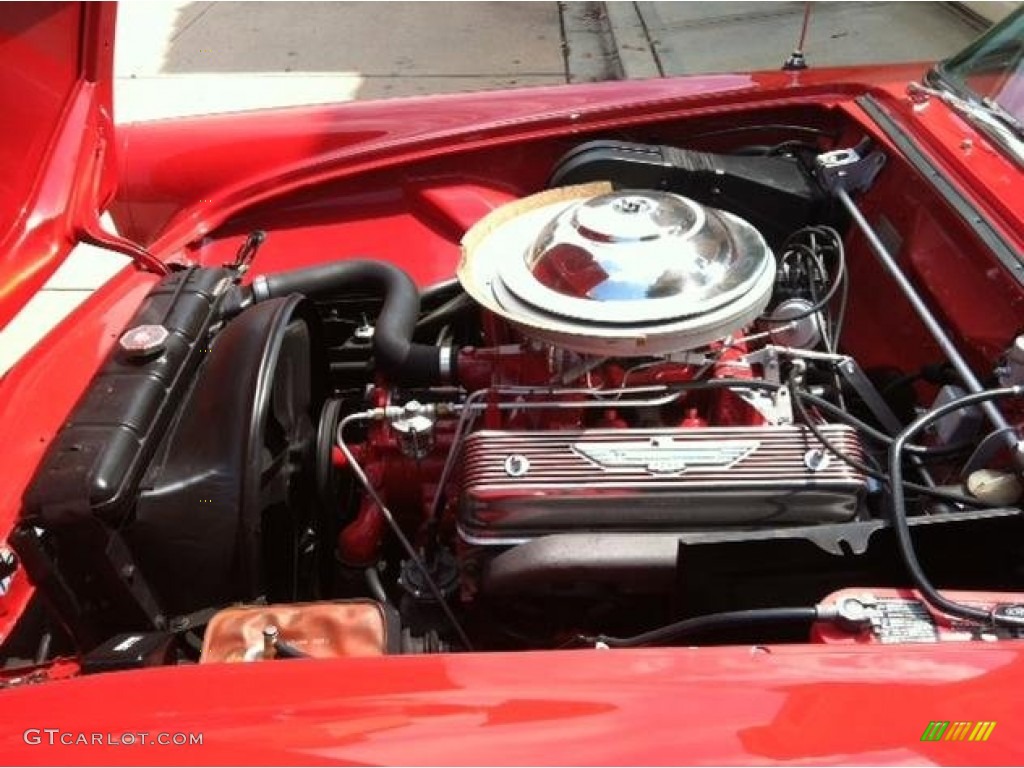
[796, 60]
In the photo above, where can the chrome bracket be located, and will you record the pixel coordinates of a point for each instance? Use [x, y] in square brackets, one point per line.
[848, 169]
[777, 407]
[768, 357]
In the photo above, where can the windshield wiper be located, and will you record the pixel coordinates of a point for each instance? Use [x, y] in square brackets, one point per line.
[943, 82]
[1001, 113]
[985, 113]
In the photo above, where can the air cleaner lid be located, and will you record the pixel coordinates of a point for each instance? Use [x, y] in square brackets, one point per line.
[649, 255]
[618, 272]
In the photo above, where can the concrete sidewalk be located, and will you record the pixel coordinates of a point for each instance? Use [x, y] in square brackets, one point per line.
[175, 57]
[672, 38]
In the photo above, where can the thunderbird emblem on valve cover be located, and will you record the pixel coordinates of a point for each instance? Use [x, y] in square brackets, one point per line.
[666, 455]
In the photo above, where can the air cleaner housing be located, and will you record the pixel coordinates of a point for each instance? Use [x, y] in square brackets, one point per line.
[623, 273]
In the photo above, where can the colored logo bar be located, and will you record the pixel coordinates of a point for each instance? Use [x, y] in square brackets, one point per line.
[960, 730]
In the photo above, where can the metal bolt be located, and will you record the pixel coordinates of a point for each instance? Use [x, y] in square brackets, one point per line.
[516, 465]
[270, 635]
[854, 611]
[631, 205]
[816, 460]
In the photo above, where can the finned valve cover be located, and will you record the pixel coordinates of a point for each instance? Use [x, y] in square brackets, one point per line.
[622, 273]
[652, 481]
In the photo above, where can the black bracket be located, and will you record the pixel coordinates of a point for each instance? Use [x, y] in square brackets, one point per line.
[853, 170]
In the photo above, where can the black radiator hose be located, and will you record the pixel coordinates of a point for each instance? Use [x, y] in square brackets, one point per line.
[401, 361]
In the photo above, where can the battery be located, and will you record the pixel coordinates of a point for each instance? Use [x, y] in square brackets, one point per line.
[899, 616]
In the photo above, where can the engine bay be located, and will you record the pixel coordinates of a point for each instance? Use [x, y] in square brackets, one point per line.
[655, 402]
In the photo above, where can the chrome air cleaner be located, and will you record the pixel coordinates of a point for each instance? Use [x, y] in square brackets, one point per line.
[622, 273]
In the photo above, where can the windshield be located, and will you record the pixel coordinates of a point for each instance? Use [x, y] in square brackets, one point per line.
[991, 69]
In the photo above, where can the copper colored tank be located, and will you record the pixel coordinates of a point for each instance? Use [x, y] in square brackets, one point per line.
[318, 630]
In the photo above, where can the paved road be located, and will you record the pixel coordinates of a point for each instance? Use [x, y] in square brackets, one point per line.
[178, 57]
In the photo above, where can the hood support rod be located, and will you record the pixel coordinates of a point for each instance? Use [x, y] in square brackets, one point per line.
[97, 235]
[932, 324]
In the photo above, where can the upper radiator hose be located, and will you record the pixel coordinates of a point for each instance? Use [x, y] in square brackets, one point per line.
[402, 361]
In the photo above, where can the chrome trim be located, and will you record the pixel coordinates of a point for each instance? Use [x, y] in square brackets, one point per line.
[487, 541]
[767, 482]
[666, 455]
[445, 357]
[468, 411]
[260, 288]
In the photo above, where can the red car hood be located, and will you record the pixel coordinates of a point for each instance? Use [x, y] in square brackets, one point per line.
[56, 168]
[808, 704]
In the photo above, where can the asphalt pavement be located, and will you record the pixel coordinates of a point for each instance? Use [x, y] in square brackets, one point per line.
[175, 58]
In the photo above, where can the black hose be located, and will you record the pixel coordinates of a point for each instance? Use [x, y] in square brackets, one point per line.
[769, 127]
[712, 621]
[441, 289]
[400, 360]
[926, 451]
[899, 512]
[452, 307]
[840, 319]
[860, 466]
[838, 279]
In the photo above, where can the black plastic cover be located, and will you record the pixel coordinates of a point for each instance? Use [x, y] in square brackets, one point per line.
[775, 194]
[237, 467]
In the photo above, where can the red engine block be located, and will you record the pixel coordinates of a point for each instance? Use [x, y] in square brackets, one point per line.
[408, 485]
